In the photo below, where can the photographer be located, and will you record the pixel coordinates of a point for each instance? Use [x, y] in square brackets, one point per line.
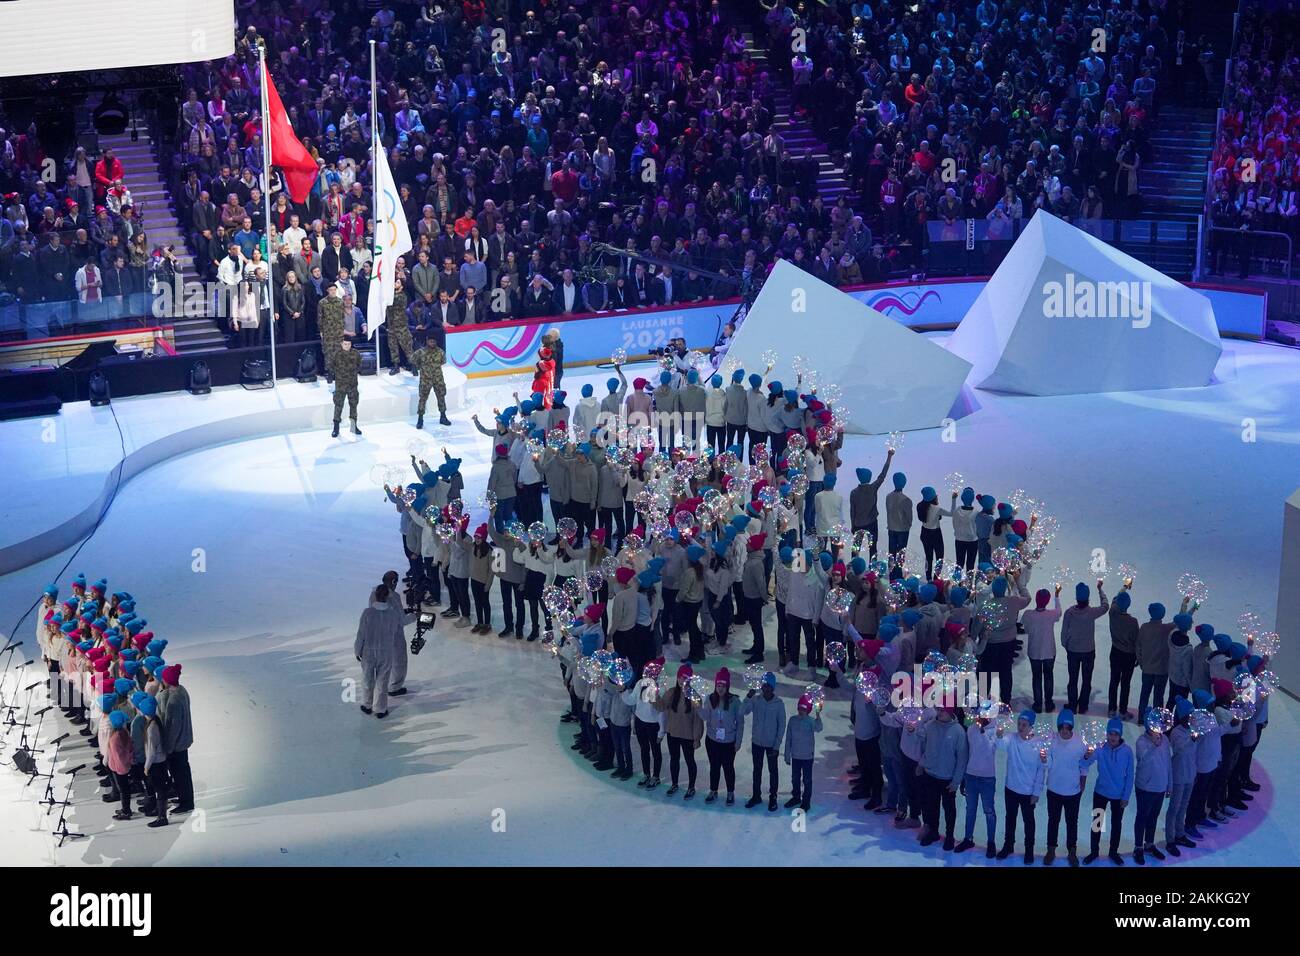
[379, 632]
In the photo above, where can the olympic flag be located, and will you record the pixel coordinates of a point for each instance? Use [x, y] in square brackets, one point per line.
[392, 239]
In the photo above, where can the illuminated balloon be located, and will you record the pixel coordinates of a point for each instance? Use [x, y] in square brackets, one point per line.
[1202, 722]
[621, 672]
[619, 356]
[595, 580]
[796, 443]
[933, 661]
[1266, 644]
[816, 693]
[836, 654]
[894, 441]
[839, 600]
[567, 527]
[537, 532]
[1159, 720]
[754, 676]
[769, 357]
[1093, 733]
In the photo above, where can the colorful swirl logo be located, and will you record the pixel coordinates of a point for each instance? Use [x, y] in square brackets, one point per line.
[519, 340]
[908, 303]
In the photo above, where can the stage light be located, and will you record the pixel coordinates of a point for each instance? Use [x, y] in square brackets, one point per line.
[306, 368]
[256, 374]
[100, 394]
[200, 379]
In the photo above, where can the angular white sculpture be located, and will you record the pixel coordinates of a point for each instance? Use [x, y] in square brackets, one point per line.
[893, 379]
[1066, 313]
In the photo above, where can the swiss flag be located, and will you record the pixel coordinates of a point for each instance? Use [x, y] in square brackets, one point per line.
[287, 151]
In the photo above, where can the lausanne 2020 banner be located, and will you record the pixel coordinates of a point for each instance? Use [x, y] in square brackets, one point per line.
[588, 340]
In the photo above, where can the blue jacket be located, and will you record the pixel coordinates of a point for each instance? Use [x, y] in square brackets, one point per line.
[1114, 771]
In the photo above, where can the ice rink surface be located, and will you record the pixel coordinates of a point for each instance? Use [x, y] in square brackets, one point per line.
[255, 558]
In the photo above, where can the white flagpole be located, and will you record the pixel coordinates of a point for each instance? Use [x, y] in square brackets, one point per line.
[266, 198]
[374, 195]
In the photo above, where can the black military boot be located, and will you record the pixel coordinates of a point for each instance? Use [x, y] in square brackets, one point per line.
[335, 433]
[419, 421]
[443, 419]
[394, 370]
[355, 429]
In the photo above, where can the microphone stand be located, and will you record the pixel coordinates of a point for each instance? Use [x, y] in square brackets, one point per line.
[36, 734]
[8, 649]
[49, 799]
[13, 705]
[61, 828]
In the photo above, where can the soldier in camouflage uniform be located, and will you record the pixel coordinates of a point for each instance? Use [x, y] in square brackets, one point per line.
[429, 361]
[400, 346]
[329, 318]
[347, 363]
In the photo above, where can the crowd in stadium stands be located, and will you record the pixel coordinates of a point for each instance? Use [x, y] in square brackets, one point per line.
[523, 154]
[1256, 162]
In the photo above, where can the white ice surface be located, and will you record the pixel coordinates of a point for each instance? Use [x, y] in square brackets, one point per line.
[294, 534]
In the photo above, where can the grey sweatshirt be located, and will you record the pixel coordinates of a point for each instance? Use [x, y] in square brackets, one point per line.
[801, 737]
[769, 720]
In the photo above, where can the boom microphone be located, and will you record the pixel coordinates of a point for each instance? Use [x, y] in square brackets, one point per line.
[78, 768]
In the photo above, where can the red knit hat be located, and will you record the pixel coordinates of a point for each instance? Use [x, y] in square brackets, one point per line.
[756, 541]
[805, 704]
[171, 675]
[594, 611]
[623, 575]
[685, 671]
[723, 679]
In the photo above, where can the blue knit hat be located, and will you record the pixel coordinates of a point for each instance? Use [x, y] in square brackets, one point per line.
[887, 632]
[1156, 610]
[694, 552]
[107, 702]
[1183, 622]
[1026, 715]
[769, 679]
[1066, 716]
[1202, 699]
[738, 376]
[786, 554]
[611, 384]
[1222, 642]
[1205, 632]
[1115, 726]
[999, 587]
[927, 592]
[858, 565]
[117, 719]
[1082, 592]
[1182, 707]
[719, 547]
[958, 596]
[123, 686]
[1122, 600]
[828, 482]
[148, 706]
[716, 381]
[910, 617]
[755, 381]
[588, 391]
[968, 496]
[900, 480]
[864, 476]
[665, 377]
[826, 559]
[929, 494]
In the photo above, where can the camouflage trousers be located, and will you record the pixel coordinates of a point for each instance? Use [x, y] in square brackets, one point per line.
[440, 392]
[352, 395]
[400, 346]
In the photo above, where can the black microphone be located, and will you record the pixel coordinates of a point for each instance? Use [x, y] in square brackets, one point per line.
[33, 686]
[43, 710]
[77, 768]
[59, 739]
[10, 647]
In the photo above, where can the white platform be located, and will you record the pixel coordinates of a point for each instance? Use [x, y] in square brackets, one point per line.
[892, 378]
[1067, 313]
[288, 772]
[62, 470]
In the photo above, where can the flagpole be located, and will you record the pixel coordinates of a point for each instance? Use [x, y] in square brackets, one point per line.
[266, 198]
[374, 196]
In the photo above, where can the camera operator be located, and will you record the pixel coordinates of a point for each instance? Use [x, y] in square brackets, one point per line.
[403, 616]
[379, 642]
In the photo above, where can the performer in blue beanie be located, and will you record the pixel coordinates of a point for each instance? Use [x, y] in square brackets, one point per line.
[1079, 639]
[929, 512]
[965, 540]
[898, 521]
[864, 504]
[735, 412]
[1123, 655]
[1112, 789]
